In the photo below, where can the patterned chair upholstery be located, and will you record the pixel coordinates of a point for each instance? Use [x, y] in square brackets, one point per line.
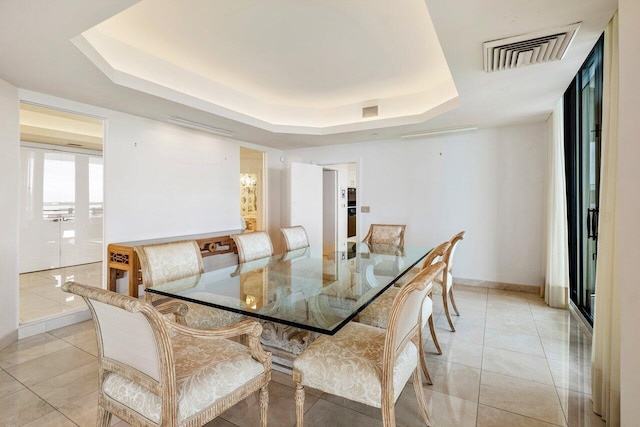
[156, 372]
[385, 234]
[295, 237]
[253, 245]
[446, 283]
[377, 313]
[166, 262]
[367, 364]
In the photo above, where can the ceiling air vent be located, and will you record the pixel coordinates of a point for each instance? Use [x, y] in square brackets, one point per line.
[528, 49]
[370, 111]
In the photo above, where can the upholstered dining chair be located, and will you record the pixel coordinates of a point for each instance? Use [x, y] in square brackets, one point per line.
[377, 313]
[295, 237]
[253, 245]
[367, 364]
[447, 280]
[165, 262]
[155, 372]
[385, 234]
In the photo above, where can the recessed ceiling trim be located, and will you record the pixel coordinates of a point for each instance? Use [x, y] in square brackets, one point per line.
[528, 49]
[438, 132]
[293, 92]
[199, 126]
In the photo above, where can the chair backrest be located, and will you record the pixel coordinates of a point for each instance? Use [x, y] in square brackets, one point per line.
[448, 258]
[386, 234]
[132, 337]
[436, 254]
[404, 316]
[165, 262]
[253, 245]
[295, 237]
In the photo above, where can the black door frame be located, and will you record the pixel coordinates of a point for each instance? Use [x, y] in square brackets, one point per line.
[574, 146]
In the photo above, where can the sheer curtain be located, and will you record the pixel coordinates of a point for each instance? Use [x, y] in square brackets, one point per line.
[556, 288]
[605, 369]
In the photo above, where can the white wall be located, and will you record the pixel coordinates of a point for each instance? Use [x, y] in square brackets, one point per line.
[9, 173]
[164, 180]
[489, 182]
[305, 198]
[628, 211]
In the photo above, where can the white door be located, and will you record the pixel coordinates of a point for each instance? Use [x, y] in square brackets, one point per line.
[330, 210]
[305, 200]
[61, 209]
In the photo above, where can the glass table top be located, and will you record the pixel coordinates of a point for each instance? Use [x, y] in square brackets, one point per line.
[302, 288]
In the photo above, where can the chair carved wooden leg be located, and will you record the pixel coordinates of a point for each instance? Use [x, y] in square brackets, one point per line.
[104, 417]
[432, 328]
[423, 360]
[453, 301]
[299, 405]
[388, 406]
[417, 386]
[425, 369]
[445, 302]
[264, 406]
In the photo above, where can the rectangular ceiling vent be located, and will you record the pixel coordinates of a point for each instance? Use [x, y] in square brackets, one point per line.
[528, 49]
[370, 111]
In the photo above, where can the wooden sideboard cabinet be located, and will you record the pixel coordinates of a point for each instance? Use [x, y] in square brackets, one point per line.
[121, 257]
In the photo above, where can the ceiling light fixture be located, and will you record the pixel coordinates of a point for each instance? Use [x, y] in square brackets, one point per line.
[438, 132]
[199, 126]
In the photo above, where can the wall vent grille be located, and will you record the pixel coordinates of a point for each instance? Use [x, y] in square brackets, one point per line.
[528, 49]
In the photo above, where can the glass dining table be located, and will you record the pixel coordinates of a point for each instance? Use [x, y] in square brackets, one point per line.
[299, 294]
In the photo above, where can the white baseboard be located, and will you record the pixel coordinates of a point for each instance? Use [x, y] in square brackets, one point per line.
[47, 324]
[531, 289]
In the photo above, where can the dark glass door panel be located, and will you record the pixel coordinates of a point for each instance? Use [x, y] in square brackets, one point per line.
[583, 116]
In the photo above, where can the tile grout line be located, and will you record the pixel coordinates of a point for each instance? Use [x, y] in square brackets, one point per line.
[555, 387]
[484, 337]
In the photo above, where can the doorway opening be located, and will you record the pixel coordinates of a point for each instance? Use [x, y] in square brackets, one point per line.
[346, 202]
[330, 207]
[61, 209]
[252, 189]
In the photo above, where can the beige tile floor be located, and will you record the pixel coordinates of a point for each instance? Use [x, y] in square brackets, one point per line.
[512, 362]
[41, 293]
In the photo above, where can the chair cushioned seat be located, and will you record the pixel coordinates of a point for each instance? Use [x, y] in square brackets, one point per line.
[203, 317]
[377, 313]
[349, 364]
[206, 371]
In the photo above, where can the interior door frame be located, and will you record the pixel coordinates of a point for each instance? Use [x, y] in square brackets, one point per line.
[359, 186]
[73, 107]
[263, 208]
[330, 195]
